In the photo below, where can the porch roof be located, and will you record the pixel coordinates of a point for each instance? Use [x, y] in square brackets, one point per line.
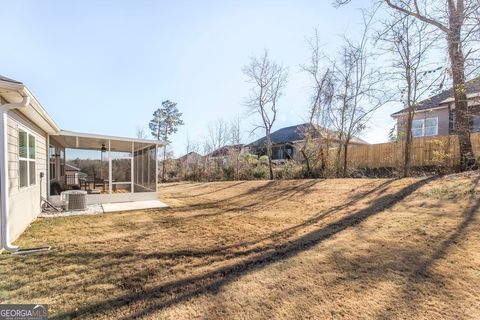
[78, 140]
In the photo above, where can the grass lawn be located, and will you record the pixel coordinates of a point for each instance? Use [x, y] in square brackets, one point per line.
[351, 248]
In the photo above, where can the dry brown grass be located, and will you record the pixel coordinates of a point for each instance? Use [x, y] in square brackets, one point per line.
[375, 249]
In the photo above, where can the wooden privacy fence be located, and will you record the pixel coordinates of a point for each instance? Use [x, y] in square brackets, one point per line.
[434, 151]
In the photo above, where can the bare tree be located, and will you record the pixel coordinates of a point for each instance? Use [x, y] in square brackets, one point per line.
[218, 134]
[458, 21]
[191, 147]
[268, 80]
[358, 93]
[141, 132]
[411, 43]
[235, 141]
[316, 132]
[236, 130]
[217, 138]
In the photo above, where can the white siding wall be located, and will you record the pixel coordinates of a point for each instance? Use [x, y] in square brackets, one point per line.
[24, 202]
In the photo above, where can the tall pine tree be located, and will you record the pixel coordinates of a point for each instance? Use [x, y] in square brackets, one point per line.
[164, 123]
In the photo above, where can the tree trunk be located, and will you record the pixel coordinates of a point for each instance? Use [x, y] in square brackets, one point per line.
[339, 154]
[457, 61]
[411, 113]
[307, 163]
[269, 153]
[345, 158]
[408, 146]
[322, 159]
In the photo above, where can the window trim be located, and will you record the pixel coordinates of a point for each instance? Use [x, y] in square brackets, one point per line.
[27, 159]
[423, 120]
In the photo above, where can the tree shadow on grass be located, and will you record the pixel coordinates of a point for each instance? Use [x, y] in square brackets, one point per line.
[270, 194]
[229, 186]
[173, 292]
[235, 250]
[422, 273]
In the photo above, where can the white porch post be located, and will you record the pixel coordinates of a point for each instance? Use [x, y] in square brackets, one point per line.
[132, 168]
[47, 178]
[109, 169]
[147, 151]
[4, 188]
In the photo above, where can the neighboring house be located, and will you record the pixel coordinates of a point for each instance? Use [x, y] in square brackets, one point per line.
[71, 168]
[191, 158]
[226, 154]
[287, 142]
[436, 115]
[32, 154]
[73, 177]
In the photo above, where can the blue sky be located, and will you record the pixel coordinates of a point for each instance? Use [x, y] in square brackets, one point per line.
[104, 66]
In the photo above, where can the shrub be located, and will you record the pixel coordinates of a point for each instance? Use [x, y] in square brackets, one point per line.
[263, 159]
[260, 172]
[228, 173]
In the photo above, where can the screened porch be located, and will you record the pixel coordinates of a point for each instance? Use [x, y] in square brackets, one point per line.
[109, 169]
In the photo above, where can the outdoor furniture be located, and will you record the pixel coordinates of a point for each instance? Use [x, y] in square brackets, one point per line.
[90, 183]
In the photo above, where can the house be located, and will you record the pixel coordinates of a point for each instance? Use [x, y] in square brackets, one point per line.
[287, 142]
[34, 151]
[224, 156]
[73, 177]
[436, 117]
[191, 158]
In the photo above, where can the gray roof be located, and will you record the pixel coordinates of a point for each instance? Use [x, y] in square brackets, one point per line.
[2, 78]
[294, 133]
[223, 151]
[69, 167]
[471, 86]
[191, 153]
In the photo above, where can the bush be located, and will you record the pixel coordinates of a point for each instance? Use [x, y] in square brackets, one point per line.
[289, 170]
[263, 159]
[260, 172]
[228, 173]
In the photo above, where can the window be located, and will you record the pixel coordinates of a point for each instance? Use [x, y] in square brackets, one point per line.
[425, 127]
[431, 127]
[417, 128]
[26, 158]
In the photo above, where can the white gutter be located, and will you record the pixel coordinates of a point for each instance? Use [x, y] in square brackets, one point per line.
[4, 193]
[440, 107]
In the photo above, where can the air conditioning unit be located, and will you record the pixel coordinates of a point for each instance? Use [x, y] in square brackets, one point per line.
[74, 199]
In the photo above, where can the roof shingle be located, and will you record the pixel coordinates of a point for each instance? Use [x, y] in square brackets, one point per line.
[294, 133]
[2, 78]
[471, 86]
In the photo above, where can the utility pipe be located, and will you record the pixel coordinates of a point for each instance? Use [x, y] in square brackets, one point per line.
[4, 183]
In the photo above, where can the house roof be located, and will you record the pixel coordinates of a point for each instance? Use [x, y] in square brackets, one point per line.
[79, 140]
[2, 78]
[69, 167]
[191, 153]
[14, 92]
[223, 151]
[296, 133]
[472, 86]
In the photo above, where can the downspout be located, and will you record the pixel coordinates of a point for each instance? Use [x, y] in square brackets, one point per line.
[4, 182]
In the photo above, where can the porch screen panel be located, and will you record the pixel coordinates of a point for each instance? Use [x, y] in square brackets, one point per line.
[153, 168]
[121, 175]
[144, 170]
